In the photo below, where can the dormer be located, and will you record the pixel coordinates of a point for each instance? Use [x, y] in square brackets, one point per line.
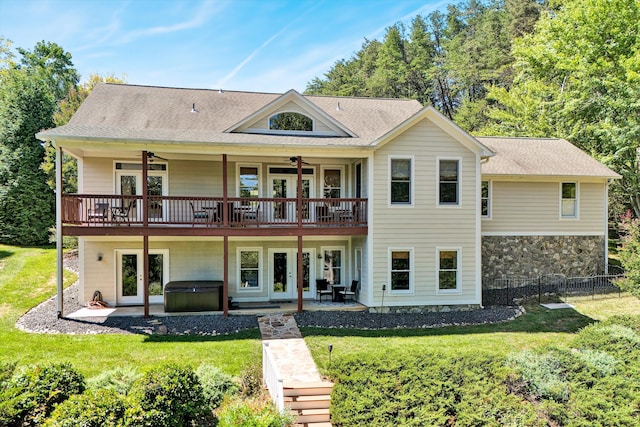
[291, 114]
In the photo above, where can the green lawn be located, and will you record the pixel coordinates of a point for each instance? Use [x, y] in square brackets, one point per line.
[27, 277]
[536, 328]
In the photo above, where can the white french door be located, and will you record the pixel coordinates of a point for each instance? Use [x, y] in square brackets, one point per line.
[284, 187]
[283, 274]
[130, 278]
[129, 183]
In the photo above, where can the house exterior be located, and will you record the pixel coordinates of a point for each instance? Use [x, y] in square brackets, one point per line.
[182, 185]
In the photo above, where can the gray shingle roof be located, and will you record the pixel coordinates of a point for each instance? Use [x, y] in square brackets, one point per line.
[540, 156]
[115, 111]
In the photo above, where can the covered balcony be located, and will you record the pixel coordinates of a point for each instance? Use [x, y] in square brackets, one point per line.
[84, 214]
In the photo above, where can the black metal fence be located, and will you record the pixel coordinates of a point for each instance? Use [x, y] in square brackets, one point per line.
[512, 290]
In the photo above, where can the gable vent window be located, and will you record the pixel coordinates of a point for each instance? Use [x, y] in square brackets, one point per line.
[291, 121]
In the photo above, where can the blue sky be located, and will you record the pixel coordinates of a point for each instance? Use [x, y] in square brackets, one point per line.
[268, 46]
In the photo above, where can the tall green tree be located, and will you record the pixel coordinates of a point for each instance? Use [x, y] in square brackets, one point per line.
[29, 91]
[578, 77]
[26, 201]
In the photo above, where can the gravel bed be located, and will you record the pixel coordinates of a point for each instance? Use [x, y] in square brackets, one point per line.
[365, 320]
[43, 319]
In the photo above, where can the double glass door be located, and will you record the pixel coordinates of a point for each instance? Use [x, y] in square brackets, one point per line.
[284, 187]
[130, 280]
[283, 274]
[129, 183]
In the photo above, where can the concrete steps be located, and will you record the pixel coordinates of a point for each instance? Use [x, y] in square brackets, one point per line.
[310, 402]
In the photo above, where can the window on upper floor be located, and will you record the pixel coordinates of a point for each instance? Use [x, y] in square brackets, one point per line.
[448, 270]
[569, 201]
[332, 185]
[249, 184]
[291, 121]
[400, 171]
[449, 182]
[485, 199]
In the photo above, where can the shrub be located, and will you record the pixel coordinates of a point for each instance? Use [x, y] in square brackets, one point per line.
[215, 384]
[629, 253]
[415, 388]
[251, 380]
[541, 374]
[252, 413]
[99, 408]
[33, 392]
[119, 380]
[170, 392]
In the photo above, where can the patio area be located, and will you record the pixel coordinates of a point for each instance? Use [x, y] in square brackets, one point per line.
[245, 308]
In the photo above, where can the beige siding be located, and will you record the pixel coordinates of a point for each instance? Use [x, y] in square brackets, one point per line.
[189, 178]
[425, 226]
[534, 208]
[195, 260]
[97, 176]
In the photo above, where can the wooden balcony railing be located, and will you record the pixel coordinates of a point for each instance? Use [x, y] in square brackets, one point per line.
[111, 210]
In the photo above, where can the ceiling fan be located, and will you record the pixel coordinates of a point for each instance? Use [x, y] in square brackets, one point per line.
[294, 160]
[151, 156]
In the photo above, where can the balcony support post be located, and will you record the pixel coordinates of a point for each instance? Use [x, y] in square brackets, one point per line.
[145, 274]
[225, 223]
[299, 203]
[59, 247]
[145, 223]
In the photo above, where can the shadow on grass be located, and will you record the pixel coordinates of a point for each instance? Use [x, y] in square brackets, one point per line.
[537, 319]
[5, 254]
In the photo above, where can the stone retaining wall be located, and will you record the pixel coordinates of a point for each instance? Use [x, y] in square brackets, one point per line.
[421, 309]
[538, 255]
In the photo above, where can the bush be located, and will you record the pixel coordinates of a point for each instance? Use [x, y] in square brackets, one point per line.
[629, 254]
[541, 374]
[119, 380]
[252, 413]
[32, 393]
[251, 380]
[99, 408]
[415, 388]
[171, 393]
[215, 384]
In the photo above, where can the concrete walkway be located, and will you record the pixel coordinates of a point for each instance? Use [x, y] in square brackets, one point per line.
[291, 355]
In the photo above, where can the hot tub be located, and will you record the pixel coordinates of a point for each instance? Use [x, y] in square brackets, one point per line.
[193, 295]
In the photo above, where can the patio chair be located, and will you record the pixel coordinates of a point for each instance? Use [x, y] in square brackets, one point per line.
[322, 289]
[351, 292]
[198, 215]
[100, 212]
[121, 213]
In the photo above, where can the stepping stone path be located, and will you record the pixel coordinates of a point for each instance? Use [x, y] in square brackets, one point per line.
[306, 394]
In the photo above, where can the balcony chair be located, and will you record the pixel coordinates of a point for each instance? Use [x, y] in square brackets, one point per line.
[351, 292]
[100, 212]
[198, 215]
[323, 216]
[121, 213]
[322, 289]
[248, 214]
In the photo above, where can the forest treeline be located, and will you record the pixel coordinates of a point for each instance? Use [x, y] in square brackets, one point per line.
[559, 68]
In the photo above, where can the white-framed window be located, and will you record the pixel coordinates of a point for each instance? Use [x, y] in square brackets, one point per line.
[485, 199]
[249, 262]
[358, 265]
[569, 200]
[448, 182]
[291, 121]
[448, 271]
[248, 180]
[332, 182]
[401, 270]
[333, 265]
[401, 172]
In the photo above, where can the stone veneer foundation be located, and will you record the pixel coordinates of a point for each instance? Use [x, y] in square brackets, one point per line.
[424, 309]
[533, 256]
